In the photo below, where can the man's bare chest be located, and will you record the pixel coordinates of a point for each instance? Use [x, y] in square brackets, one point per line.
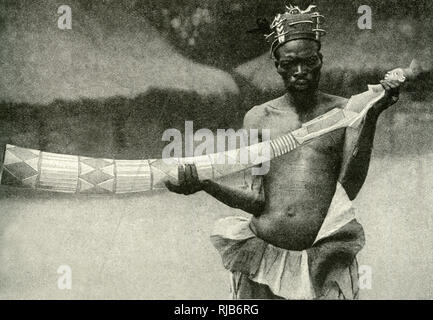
[277, 124]
[317, 160]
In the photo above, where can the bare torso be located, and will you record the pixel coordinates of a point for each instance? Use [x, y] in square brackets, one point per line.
[300, 185]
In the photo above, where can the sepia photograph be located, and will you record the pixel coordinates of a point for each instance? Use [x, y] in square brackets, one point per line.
[216, 150]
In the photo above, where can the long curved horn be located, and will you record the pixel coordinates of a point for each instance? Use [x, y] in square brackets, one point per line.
[76, 174]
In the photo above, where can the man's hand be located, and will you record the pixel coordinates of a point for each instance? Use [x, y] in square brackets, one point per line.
[392, 93]
[189, 182]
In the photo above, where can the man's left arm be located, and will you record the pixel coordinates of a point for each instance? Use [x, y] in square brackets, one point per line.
[359, 143]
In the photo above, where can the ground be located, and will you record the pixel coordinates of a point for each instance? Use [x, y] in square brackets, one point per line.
[157, 246]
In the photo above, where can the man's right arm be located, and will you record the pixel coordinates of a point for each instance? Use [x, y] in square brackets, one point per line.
[250, 199]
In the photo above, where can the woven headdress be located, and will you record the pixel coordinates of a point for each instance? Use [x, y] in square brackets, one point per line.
[295, 24]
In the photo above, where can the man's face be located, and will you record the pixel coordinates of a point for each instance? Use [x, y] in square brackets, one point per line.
[299, 63]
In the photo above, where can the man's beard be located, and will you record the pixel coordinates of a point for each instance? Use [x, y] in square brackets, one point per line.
[304, 100]
[302, 86]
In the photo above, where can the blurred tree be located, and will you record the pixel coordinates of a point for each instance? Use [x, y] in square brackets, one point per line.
[214, 32]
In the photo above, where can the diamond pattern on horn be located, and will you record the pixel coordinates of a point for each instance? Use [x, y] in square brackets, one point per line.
[96, 175]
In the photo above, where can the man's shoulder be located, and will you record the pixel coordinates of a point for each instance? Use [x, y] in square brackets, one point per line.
[334, 101]
[257, 113]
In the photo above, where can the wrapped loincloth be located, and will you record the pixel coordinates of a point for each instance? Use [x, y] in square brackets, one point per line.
[307, 274]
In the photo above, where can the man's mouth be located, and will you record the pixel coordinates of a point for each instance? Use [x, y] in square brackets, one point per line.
[301, 81]
[301, 84]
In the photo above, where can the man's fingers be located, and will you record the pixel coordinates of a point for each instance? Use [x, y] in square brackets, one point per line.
[393, 88]
[188, 180]
[391, 84]
[191, 173]
[181, 174]
[194, 173]
[394, 84]
[172, 187]
[188, 177]
[385, 85]
[392, 91]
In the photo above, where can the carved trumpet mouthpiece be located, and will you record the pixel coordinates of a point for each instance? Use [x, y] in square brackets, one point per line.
[410, 73]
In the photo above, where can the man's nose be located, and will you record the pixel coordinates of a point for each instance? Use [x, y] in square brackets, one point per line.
[300, 70]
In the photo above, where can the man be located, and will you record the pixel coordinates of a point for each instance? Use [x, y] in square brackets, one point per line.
[302, 239]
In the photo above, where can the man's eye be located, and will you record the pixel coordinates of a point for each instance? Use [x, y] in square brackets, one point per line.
[286, 65]
[311, 61]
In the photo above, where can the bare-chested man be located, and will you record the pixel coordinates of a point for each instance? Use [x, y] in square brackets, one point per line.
[302, 238]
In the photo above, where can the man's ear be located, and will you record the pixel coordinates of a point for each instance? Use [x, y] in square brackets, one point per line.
[320, 56]
[277, 64]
